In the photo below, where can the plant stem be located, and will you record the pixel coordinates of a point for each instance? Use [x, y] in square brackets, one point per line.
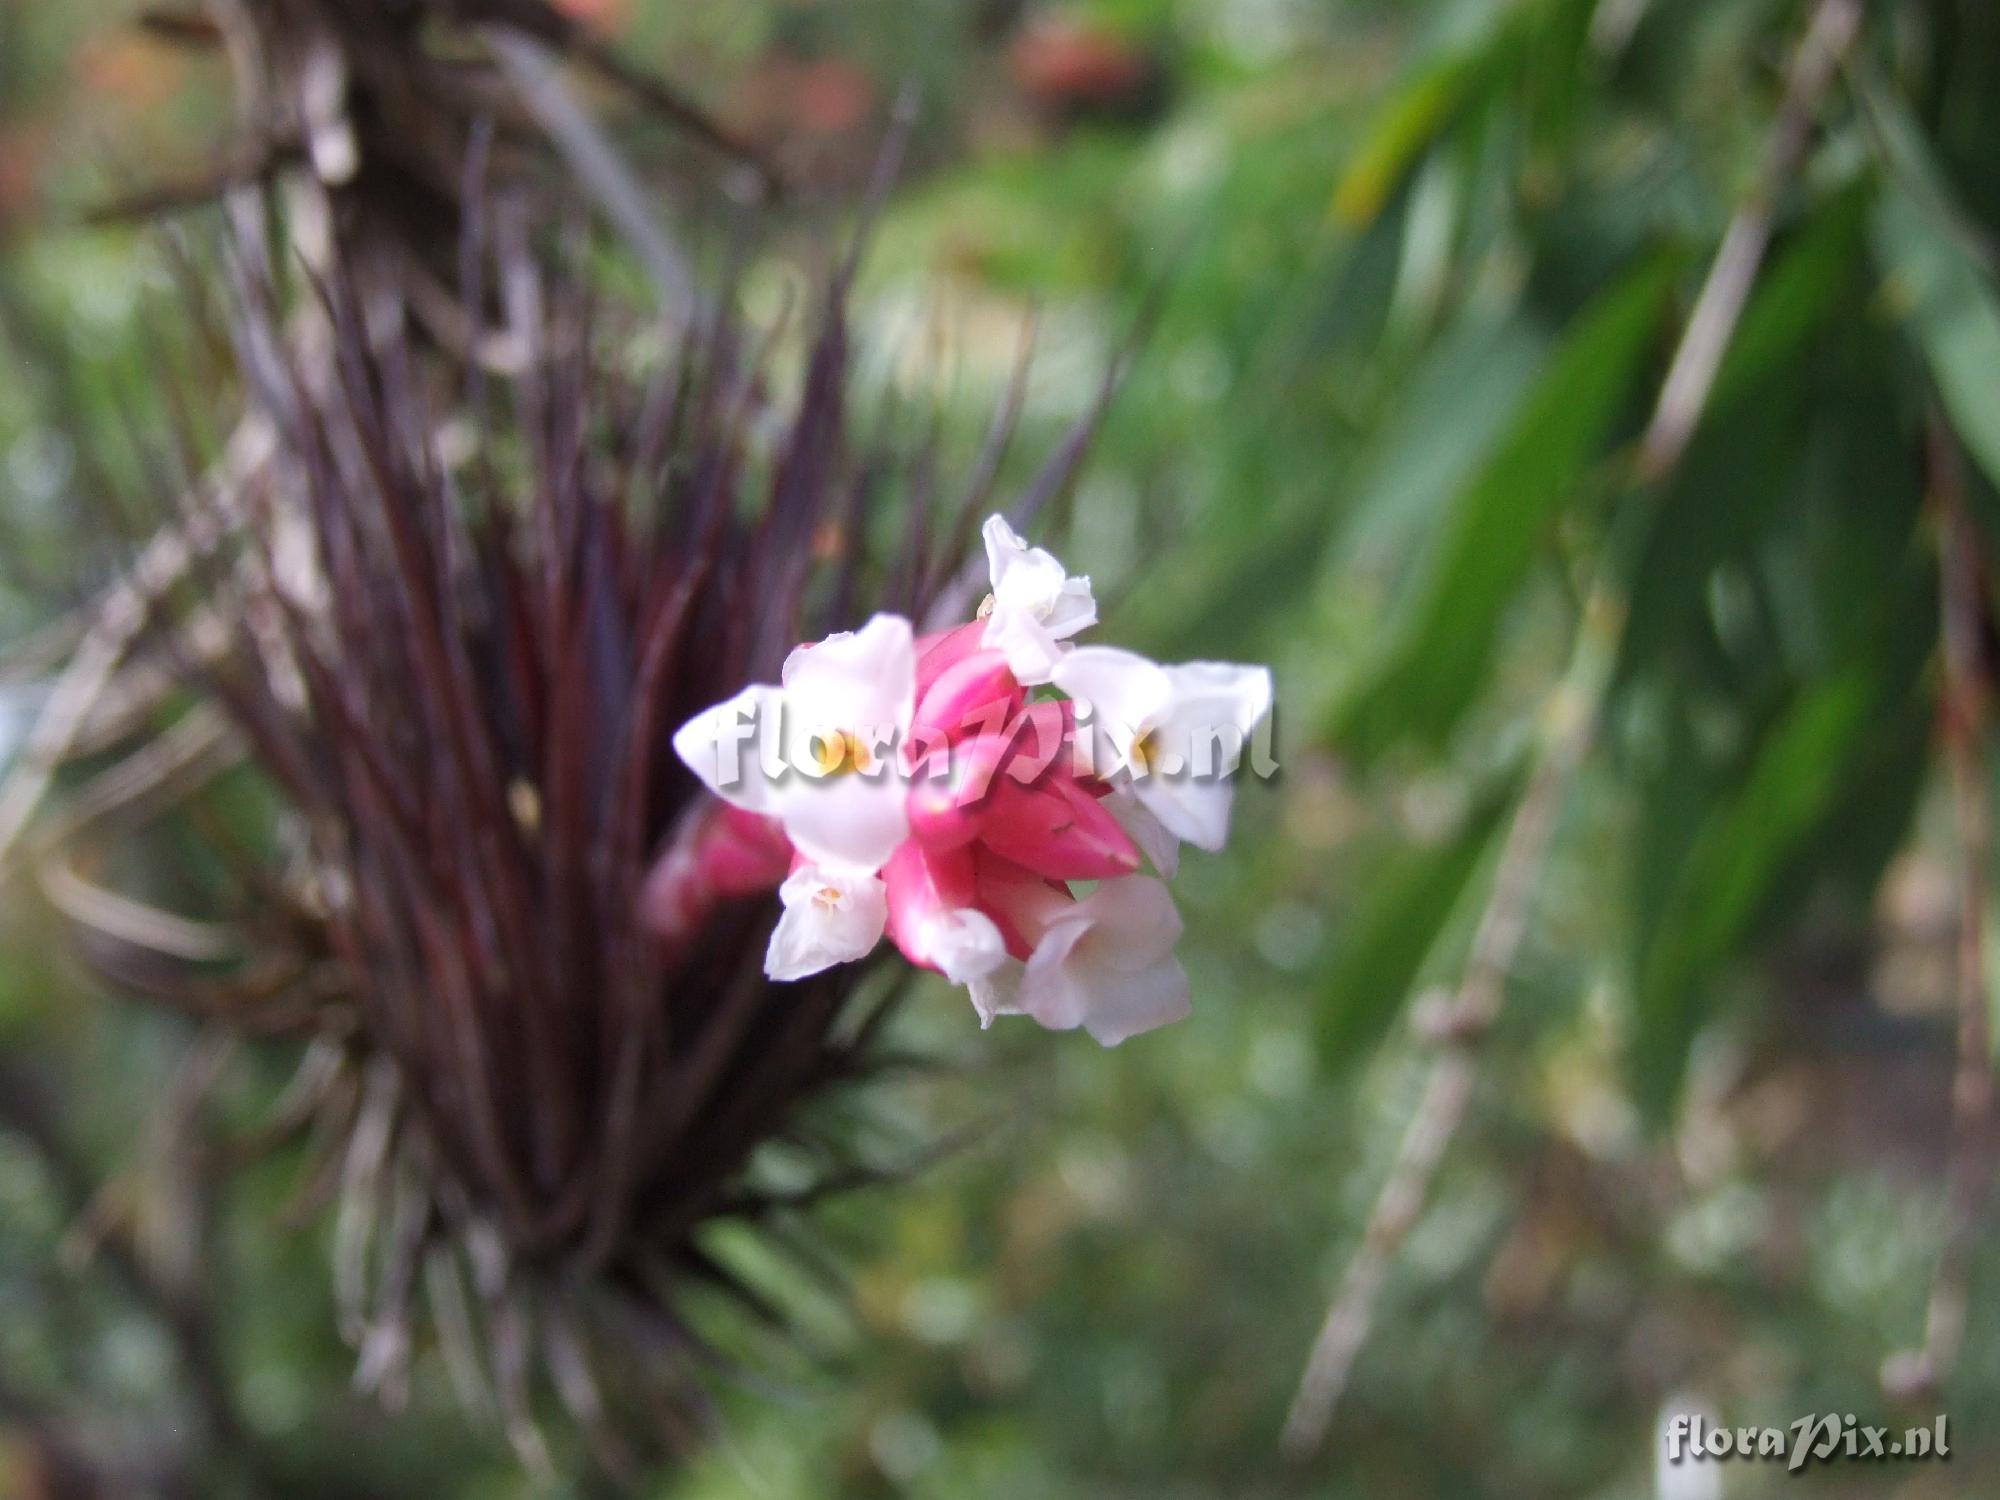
[1964, 712]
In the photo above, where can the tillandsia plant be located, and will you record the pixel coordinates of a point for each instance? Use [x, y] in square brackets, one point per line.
[910, 785]
[465, 638]
[560, 1026]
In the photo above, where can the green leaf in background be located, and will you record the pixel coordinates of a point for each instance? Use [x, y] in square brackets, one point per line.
[1945, 300]
[1436, 653]
[1742, 846]
[1383, 948]
[1853, 575]
[1728, 490]
[1452, 407]
[1414, 117]
[1721, 503]
[1805, 285]
[1953, 316]
[1737, 831]
[1543, 40]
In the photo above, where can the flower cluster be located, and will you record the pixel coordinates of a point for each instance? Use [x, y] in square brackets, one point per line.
[951, 790]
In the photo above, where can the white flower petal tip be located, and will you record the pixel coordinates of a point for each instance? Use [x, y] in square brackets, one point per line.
[1037, 605]
[867, 675]
[721, 746]
[1162, 998]
[997, 993]
[831, 917]
[1178, 732]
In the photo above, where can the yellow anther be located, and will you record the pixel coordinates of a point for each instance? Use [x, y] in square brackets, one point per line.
[840, 752]
[1145, 751]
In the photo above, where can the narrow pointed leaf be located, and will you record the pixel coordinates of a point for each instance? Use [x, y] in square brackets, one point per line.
[1386, 941]
[1437, 652]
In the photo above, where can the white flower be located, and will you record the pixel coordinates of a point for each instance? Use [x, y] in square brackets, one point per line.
[1036, 604]
[825, 740]
[1105, 963]
[831, 917]
[1179, 731]
[963, 943]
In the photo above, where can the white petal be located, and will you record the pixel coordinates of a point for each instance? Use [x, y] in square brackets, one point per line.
[1214, 706]
[1202, 734]
[1031, 648]
[831, 917]
[1245, 689]
[998, 993]
[1196, 717]
[720, 745]
[1135, 921]
[1188, 807]
[1125, 691]
[1108, 964]
[1072, 610]
[1127, 1003]
[1007, 551]
[855, 680]
[1003, 543]
[965, 944]
[1055, 987]
[1145, 829]
[1031, 581]
[852, 821]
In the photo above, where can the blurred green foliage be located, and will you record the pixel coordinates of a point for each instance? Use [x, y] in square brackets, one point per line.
[1423, 267]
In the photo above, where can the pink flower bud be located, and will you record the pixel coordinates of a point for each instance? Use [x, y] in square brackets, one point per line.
[744, 853]
[939, 820]
[1038, 739]
[945, 649]
[947, 809]
[1057, 830]
[975, 695]
[722, 854]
